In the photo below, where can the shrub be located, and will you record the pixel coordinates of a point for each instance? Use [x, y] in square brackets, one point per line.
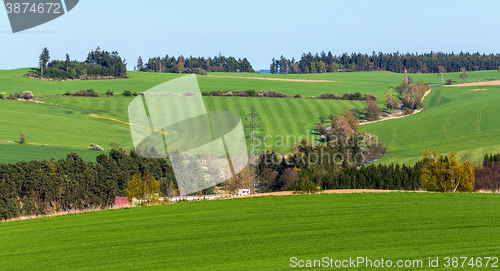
[95, 147]
[449, 82]
[68, 93]
[127, 93]
[298, 96]
[135, 93]
[370, 97]
[407, 111]
[18, 94]
[329, 96]
[86, 93]
[109, 93]
[28, 95]
[271, 93]
[1, 97]
[22, 138]
[307, 187]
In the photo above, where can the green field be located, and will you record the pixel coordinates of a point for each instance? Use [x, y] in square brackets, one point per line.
[259, 233]
[455, 119]
[449, 125]
[11, 153]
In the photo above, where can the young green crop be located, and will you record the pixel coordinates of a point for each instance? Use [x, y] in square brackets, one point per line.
[259, 233]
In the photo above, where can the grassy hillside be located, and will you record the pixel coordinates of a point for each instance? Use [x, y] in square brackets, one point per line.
[63, 126]
[259, 233]
[279, 116]
[57, 126]
[455, 119]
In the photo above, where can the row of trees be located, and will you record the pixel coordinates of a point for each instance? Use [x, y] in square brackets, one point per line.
[40, 187]
[394, 62]
[198, 65]
[358, 96]
[99, 64]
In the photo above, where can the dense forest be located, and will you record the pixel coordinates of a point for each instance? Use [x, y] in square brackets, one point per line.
[198, 65]
[394, 62]
[98, 65]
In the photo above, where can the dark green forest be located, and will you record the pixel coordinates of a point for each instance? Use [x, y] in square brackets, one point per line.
[394, 62]
[98, 65]
[198, 65]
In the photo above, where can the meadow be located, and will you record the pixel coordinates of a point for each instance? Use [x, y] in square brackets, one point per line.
[260, 233]
[455, 119]
[447, 124]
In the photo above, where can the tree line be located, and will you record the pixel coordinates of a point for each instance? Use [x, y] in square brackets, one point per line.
[198, 65]
[41, 187]
[358, 96]
[394, 62]
[99, 64]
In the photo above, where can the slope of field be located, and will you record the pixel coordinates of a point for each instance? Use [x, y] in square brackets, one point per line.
[260, 233]
[456, 119]
[289, 118]
[58, 126]
[63, 126]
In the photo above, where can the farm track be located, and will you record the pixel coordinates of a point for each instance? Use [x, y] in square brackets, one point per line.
[410, 136]
[445, 124]
[394, 135]
[478, 120]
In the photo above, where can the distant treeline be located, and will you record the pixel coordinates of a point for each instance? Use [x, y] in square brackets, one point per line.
[98, 65]
[198, 65]
[394, 62]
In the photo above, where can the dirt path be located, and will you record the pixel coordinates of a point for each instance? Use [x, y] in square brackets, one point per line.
[401, 116]
[277, 79]
[339, 191]
[488, 83]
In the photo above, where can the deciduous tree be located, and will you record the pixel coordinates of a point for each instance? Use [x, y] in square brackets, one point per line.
[145, 189]
[463, 74]
[391, 100]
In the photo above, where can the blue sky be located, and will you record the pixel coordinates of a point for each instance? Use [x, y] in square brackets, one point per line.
[258, 30]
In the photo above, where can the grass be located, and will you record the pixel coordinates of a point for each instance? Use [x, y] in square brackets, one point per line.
[13, 81]
[281, 118]
[258, 233]
[455, 119]
[58, 126]
[11, 153]
[447, 125]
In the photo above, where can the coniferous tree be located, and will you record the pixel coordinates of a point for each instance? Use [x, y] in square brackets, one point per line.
[44, 59]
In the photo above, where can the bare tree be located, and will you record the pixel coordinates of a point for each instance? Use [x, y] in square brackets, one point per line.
[442, 73]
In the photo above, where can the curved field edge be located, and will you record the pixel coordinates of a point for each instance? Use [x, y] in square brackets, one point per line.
[260, 233]
[455, 119]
